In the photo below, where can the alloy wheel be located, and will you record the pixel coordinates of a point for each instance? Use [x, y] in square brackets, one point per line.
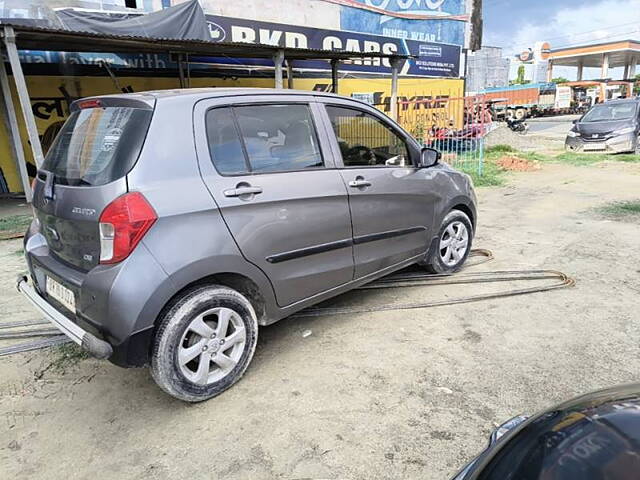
[211, 346]
[454, 243]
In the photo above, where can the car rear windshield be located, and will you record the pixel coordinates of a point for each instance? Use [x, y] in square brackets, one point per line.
[97, 145]
[604, 112]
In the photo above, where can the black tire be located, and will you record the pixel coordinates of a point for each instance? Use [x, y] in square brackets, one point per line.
[174, 323]
[435, 263]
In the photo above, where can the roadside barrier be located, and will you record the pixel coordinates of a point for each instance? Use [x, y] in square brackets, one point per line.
[456, 126]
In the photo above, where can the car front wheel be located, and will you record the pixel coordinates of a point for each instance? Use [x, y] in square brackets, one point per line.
[204, 343]
[453, 246]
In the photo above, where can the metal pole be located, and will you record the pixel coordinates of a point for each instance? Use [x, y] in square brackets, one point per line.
[14, 132]
[394, 88]
[580, 70]
[181, 71]
[334, 76]
[23, 95]
[289, 75]
[278, 60]
[605, 66]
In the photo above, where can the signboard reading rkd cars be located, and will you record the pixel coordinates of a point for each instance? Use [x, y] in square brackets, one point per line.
[433, 59]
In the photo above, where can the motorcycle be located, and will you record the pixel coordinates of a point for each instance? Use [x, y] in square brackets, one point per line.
[519, 126]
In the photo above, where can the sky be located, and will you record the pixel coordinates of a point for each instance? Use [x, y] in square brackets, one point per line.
[517, 25]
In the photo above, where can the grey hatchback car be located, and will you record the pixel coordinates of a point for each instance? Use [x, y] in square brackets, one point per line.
[169, 225]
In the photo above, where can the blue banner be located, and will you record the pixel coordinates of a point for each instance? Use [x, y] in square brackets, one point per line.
[439, 31]
[434, 59]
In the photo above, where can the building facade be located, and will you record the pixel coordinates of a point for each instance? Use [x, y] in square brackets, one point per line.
[487, 68]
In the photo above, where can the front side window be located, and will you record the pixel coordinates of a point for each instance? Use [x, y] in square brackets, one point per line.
[365, 141]
[262, 138]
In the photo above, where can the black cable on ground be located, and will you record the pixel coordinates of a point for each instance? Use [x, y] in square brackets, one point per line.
[405, 279]
[37, 345]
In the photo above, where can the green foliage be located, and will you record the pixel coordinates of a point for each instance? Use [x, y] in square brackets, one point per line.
[68, 354]
[520, 80]
[502, 148]
[492, 175]
[621, 210]
[559, 80]
[591, 158]
[14, 224]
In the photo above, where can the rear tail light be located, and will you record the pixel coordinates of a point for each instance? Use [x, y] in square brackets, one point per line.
[123, 224]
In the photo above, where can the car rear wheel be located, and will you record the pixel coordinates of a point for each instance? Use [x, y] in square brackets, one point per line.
[454, 244]
[204, 343]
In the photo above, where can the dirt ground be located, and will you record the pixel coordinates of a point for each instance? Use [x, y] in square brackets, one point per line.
[394, 395]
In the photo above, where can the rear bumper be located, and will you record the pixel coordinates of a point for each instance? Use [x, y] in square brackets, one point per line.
[97, 347]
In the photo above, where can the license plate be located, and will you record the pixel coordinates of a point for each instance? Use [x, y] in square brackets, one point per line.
[595, 146]
[61, 293]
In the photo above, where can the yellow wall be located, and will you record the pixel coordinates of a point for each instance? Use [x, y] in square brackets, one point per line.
[46, 97]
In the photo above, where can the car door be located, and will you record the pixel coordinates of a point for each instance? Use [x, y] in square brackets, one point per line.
[273, 178]
[392, 201]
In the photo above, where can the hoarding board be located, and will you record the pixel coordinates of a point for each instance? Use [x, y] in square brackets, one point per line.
[434, 59]
[442, 31]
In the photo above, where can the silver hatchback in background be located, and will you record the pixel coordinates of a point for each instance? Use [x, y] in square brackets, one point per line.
[170, 225]
[611, 127]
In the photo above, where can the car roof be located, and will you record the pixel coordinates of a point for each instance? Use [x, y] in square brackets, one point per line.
[195, 94]
[622, 100]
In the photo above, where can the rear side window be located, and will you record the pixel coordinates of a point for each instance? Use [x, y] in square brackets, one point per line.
[225, 145]
[98, 145]
[262, 138]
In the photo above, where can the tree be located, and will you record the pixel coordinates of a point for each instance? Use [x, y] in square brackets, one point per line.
[520, 77]
[559, 80]
[520, 80]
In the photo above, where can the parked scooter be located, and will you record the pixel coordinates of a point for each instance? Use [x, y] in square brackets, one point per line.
[519, 126]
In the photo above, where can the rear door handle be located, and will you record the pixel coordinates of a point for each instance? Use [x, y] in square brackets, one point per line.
[242, 191]
[359, 182]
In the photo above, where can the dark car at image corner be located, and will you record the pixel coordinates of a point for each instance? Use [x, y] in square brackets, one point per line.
[610, 127]
[591, 437]
[169, 225]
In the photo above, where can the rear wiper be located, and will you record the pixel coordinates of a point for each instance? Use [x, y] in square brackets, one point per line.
[48, 184]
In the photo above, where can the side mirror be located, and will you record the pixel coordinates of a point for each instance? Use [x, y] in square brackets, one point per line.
[429, 157]
[507, 426]
[575, 121]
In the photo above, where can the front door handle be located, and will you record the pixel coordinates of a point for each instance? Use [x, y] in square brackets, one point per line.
[242, 191]
[359, 182]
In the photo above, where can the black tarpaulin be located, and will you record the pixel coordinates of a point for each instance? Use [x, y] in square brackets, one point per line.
[182, 22]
